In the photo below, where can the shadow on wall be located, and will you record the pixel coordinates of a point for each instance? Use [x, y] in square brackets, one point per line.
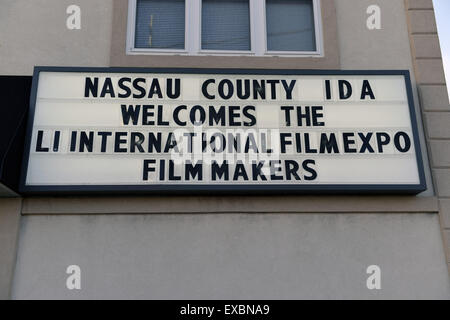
[15, 93]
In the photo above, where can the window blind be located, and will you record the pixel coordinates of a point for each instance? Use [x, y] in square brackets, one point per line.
[226, 25]
[160, 24]
[290, 25]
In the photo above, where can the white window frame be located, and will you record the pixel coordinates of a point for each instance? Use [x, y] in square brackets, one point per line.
[192, 38]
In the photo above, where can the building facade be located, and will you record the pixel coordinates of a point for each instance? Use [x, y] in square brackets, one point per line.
[238, 246]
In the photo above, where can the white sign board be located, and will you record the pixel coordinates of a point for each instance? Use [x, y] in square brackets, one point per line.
[137, 130]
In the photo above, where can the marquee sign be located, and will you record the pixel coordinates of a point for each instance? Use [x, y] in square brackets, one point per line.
[203, 130]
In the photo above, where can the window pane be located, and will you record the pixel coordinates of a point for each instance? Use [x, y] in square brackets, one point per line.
[225, 25]
[290, 25]
[160, 24]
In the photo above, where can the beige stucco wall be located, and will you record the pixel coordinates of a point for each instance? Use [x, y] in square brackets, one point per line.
[237, 256]
[279, 255]
[35, 33]
[9, 229]
[434, 101]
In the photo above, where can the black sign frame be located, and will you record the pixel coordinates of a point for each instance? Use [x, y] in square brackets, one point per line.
[214, 189]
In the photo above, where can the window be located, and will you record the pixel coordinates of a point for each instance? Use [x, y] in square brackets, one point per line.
[290, 25]
[160, 24]
[225, 27]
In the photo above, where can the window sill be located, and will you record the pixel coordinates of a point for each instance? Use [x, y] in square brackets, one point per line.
[134, 52]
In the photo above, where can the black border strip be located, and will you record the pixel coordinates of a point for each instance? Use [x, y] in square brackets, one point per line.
[224, 189]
